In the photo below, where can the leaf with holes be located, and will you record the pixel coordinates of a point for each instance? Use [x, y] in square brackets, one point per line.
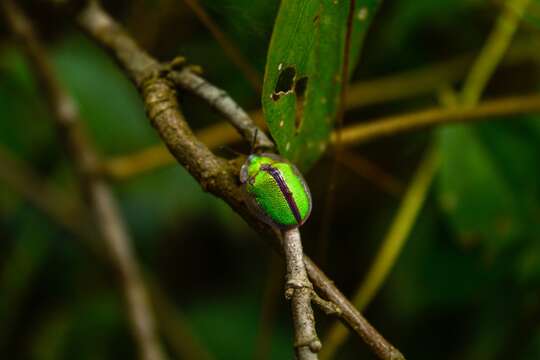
[303, 79]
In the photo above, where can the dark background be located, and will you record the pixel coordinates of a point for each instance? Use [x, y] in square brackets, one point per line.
[455, 292]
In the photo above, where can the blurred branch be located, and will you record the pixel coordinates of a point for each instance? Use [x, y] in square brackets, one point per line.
[152, 157]
[47, 199]
[215, 175]
[400, 124]
[493, 50]
[482, 69]
[427, 79]
[372, 172]
[148, 21]
[476, 81]
[230, 49]
[390, 248]
[98, 193]
[393, 87]
[217, 135]
[19, 177]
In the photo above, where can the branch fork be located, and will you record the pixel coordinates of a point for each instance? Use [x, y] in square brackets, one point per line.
[220, 177]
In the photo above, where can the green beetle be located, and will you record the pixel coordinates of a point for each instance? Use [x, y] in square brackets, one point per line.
[277, 193]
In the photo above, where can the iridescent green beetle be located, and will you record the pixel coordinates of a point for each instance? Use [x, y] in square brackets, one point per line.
[276, 190]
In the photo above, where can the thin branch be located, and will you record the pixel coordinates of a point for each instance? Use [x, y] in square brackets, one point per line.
[298, 290]
[55, 204]
[427, 79]
[98, 193]
[373, 173]
[350, 314]
[230, 49]
[368, 92]
[493, 51]
[219, 135]
[222, 102]
[118, 243]
[438, 117]
[215, 175]
[390, 248]
[148, 21]
[401, 124]
[155, 156]
[477, 79]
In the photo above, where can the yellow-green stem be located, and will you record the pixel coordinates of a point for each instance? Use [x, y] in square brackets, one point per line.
[390, 248]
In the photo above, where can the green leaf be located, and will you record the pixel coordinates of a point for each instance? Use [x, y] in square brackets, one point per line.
[302, 84]
[434, 272]
[532, 15]
[489, 190]
[479, 202]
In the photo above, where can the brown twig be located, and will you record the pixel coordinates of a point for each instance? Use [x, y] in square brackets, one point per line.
[222, 102]
[215, 175]
[98, 193]
[373, 173]
[350, 315]
[230, 49]
[299, 289]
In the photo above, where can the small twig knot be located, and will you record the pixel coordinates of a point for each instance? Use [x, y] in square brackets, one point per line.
[313, 343]
[293, 284]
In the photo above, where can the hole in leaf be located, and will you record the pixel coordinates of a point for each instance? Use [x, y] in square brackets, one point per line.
[285, 80]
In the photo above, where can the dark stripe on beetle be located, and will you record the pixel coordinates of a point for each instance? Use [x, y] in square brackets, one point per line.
[276, 175]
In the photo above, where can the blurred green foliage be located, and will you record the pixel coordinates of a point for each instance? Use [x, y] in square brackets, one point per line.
[466, 286]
